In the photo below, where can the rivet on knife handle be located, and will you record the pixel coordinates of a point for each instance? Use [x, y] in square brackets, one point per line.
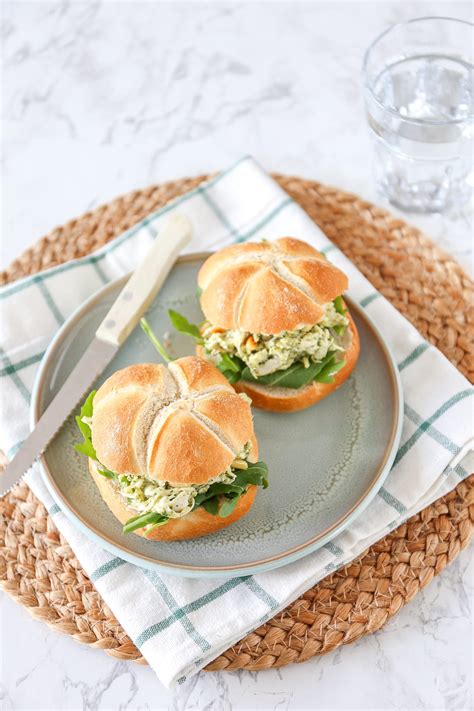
[144, 284]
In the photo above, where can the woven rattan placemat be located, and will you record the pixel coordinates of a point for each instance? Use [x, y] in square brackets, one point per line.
[40, 571]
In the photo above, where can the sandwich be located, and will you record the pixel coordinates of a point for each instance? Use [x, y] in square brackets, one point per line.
[172, 449]
[276, 323]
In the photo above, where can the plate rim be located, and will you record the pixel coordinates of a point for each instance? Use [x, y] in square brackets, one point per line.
[186, 570]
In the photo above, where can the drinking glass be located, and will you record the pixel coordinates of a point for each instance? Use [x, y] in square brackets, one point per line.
[418, 87]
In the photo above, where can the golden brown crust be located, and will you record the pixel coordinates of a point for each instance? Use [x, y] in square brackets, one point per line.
[323, 283]
[142, 375]
[296, 247]
[268, 287]
[160, 423]
[195, 524]
[288, 400]
[185, 451]
[213, 264]
[272, 301]
[114, 426]
[195, 375]
[220, 300]
[230, 413]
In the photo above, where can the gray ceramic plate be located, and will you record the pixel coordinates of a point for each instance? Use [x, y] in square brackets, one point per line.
[326, 463]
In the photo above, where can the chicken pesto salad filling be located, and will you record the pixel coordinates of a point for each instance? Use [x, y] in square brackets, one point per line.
[157, 502]
[289, 359]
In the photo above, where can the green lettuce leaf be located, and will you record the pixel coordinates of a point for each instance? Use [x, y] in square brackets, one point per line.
[182, 325]
[294, 377]
[86, 447]
[231, 367]
[147, 329]
[326, 375]
[255, 474]
[227, 506]
[339, 305]
[221, 499]
[144, 519]
[107, 473]
[229, 363]
[211, 505]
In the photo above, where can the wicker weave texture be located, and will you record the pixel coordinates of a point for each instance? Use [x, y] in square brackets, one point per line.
[40, 571]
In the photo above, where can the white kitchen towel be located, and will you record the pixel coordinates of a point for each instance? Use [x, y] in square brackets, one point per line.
[180, 624]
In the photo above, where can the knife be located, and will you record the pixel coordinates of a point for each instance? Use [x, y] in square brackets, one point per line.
[134, 299]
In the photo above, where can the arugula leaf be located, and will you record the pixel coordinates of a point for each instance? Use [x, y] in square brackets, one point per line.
[107, 473]
[294, 377]
[222, 498]
[227, 506]
[229, 362]
[154, 340]
[86, 447]
[217, 490]
[144, 519]
[211, 505]
[339, 305]
[255, 474]
[327, 373]
[182, 325]
[231, 367]
[231, 377]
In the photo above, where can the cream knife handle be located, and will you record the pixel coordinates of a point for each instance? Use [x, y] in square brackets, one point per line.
[145, 282]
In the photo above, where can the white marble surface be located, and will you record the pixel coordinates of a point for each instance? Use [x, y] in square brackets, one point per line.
[102, 98]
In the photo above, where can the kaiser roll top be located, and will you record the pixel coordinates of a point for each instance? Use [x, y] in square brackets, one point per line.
[183, 423]
[268, 287]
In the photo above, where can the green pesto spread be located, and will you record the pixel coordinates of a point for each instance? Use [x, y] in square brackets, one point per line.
[265, 354]
[145, 495]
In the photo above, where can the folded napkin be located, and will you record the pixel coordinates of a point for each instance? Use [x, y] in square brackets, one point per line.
[181, 624]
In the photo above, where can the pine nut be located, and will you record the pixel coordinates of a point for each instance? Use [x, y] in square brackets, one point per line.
[239, 464]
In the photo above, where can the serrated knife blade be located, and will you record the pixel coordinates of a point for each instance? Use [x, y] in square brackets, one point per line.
[135, 297]
[97, 356]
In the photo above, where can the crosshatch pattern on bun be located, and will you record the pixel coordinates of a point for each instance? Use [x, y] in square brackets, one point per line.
[268, 287]
[183, 423]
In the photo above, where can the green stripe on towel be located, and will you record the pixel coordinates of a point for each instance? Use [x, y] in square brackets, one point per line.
[392, 501]
[332, 548]
[155, 629]
[15, 367]
[21, 387]
[53, 307]
[161, 588]
[264, 221]
[106, 568]
[425, 425]
[413, 355]
[368, 299]
[262, 594]
[432, 431]
[219, 214]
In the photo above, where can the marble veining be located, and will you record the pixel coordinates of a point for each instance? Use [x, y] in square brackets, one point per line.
[100, 98]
